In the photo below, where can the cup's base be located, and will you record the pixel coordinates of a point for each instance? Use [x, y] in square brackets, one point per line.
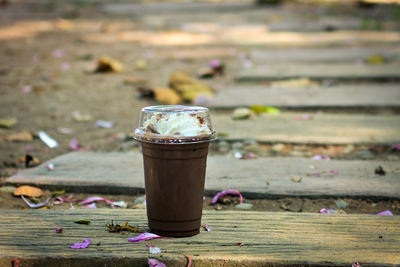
[175, 234]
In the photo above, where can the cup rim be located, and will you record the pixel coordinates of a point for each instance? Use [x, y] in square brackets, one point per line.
[174, 109]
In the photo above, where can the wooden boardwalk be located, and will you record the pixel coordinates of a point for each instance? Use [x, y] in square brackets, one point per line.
[122, 173]
[323, 128]
[236, 239]
[323, 54]
[339, 96]
[356, 66]
[320, 71]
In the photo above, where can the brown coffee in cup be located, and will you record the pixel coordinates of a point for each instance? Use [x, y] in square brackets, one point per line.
[174, 142]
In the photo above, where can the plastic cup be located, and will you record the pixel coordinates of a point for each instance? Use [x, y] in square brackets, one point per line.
[174, 160]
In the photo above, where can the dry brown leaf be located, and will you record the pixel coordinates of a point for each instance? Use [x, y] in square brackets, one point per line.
[189, 88]
[107, 64]
[167, 96]
[23, 136]
[28, 160]
[28, 191]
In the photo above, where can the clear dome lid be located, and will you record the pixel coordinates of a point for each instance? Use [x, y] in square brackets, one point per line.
[172, 124]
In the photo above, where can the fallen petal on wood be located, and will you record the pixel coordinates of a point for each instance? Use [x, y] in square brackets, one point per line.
[227, 192]
[83, 245]
[155, 263]
[153, 250]
[321, 157]
[386, 212]
[104, 124]
[35, 206]
[95, 199]
[144, 237]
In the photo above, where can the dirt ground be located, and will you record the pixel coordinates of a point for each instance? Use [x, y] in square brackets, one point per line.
[49, 52]
[354, 206]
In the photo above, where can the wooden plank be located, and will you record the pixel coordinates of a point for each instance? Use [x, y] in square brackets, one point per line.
[268, 239]
[324, 128]
[122, 173]
[319, 72]
[140, 9]
[342, 96]
[332, 54]
[245, 37]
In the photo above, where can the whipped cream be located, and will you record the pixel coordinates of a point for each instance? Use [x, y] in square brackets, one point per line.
[177, 124]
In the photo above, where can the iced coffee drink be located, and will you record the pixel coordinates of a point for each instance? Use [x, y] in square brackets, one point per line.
[174, 142]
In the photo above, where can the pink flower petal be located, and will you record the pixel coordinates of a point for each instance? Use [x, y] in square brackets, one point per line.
[74, 144]
[153, 250]
[65, 130]
[60, 200]
[58, 53]
[206, 227]
[26, 88]
[226, 192]
[95, 199]
[35, 206]
[83, 245]
[104, 124]
[249, 155]
[59, 229]
[65, 66]
[155, 263]
[325, 211]
[386, 212]
[50, 166]
[321, 157]
[144, 237]
[304, 117]
[215, 63]
[16, 263]
[90, 206]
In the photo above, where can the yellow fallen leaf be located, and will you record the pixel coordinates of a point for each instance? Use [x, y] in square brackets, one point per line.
[141, 64]
[241, 114]
[8, 122]
[264, 109]
[167, 96]
[375, 60]
[28, 191]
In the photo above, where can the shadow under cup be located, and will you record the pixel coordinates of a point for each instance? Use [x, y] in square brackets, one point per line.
[174, 180]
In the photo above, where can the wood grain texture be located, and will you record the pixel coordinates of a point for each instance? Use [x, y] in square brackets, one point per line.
[322, 129]
[319, 72]
[122, 173]
[268, 239]
[331, 54]
[350, 96]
